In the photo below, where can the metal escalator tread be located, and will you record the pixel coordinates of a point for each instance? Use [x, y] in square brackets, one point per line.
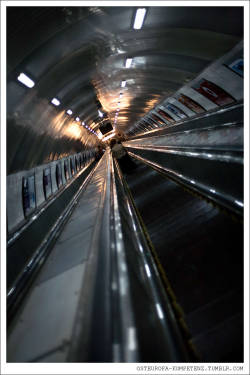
[216, 345]
[200, 248]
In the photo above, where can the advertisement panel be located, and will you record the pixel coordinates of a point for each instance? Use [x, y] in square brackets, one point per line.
[47, 187]
[213, 92]
[77, 163]
[66, 170]
[190, 103]
[236, 64]
[72, 167]
[59, 175]
[157, 119]
[151, 122]
[165, 115]
[29, 195]
[177, 111]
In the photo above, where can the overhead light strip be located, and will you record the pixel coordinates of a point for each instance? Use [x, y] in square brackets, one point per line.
[25, 80]
[139, 18]
[128, 63]
[56, 102]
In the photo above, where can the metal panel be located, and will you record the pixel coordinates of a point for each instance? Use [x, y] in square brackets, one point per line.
[47, 320]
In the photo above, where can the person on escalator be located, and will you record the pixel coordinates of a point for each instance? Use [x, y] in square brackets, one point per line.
[121, 155]
[100, 151]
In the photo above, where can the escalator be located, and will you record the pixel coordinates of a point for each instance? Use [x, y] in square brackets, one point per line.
[94, 293]
[199, 250]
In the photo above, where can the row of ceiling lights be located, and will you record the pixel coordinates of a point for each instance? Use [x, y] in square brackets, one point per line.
[28, 82]
[138, 22]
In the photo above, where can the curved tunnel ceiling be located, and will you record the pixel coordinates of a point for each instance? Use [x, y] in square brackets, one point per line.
[78, 55]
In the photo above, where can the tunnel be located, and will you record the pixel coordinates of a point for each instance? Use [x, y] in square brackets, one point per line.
[134, 256]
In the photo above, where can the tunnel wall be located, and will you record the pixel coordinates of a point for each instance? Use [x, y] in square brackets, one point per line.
[38, 133]
[16, 214]
[223, 73]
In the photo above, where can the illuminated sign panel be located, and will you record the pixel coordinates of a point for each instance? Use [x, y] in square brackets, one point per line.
[47, 184]
[178, 112]
[165, 115]
[213, 92]
[190, 103]
[29, 194]
[157, 119]
[236, 65]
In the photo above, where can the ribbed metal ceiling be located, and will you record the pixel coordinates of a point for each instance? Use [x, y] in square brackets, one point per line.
[78, 54]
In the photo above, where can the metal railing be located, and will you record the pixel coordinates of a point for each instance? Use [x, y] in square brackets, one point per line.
[128, 317]
[122, 312]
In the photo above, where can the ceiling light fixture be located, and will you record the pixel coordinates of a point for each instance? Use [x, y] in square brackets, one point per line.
[25, 80]
[55, 101]
[108, 137]
[139, 18]
[69, 112]
[77, 119]
[100, 113]
[128, 63]
[123, 84]
[83, 123]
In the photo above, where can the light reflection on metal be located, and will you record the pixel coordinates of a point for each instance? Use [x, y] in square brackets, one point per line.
[224, 199]
[241, 204]
[132, 338]
[123, 285]
[123, 267]
[148, 270]
[200, 154]
[159, 311]
[10, 292]
[99, 135]
[73, 130]
[108, 137]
